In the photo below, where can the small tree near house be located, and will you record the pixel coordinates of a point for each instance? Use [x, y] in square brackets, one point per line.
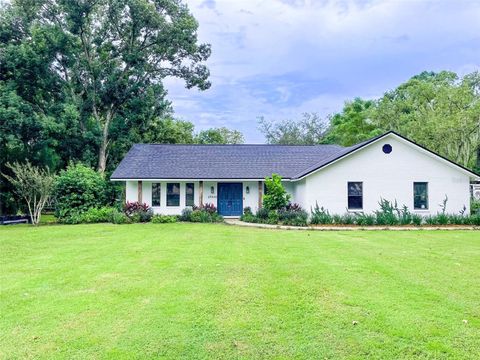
[276, 196]
[32, 184]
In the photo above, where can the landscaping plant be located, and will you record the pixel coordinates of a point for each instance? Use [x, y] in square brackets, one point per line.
[138, 212]
[164, 219]
[276, 196]
[77, 189]
[32, 184]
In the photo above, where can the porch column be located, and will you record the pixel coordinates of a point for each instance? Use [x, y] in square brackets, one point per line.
[140, 192]
[200, 193]
[260, 193]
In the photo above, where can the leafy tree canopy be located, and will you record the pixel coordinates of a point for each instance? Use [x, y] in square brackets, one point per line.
[308, 130]
[99, 65]
[220, 135]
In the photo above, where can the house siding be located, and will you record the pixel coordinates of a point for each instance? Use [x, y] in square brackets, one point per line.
[250, 199]
[388, 176]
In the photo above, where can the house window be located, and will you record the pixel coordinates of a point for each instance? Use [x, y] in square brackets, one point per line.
[156, 192]
[173, 194]
[420, 196]
[189, 194]
[355, 195]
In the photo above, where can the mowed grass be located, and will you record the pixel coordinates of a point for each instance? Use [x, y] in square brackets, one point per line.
[193, 291]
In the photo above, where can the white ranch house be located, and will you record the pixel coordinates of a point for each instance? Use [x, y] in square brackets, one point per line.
[354, 179]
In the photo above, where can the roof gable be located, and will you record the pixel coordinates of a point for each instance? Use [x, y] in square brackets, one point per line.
[355, 148]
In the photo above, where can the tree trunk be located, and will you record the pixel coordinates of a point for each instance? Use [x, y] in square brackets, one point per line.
[102, 151]
[102, 156]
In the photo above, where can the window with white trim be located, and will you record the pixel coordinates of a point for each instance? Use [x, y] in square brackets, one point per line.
[355, 195]
[420, 195]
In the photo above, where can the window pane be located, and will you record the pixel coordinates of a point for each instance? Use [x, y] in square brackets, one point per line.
[189, 194]
[355, 195]
[173, 194]
[355, 189]
[156, 192]
[355, 202]
[420, 196]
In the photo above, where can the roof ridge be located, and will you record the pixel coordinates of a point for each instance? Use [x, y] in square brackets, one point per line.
[266, 145]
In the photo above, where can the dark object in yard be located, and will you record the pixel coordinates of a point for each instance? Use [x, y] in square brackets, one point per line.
[14, 219]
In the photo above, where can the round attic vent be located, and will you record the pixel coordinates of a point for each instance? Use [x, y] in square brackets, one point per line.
[387, 148]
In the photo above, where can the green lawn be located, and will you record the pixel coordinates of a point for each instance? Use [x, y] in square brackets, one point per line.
[217, 291]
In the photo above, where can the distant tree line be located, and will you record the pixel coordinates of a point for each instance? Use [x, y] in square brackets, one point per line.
[438, 110]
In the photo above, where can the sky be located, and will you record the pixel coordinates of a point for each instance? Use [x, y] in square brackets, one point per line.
[281, 58]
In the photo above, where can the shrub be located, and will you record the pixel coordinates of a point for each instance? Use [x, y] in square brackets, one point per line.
[417, 219]
[247, 211]
[249, 218]
[186, 214]
[276, 196]
[247, 215]
[208, 207]
[387, 213]
[320, 216]
[272, 217]
[294, 207]
[262, 213]
[457, 219]
[77, 189]
[364, 219]
[138, 212]
[203, 216]
[404, 216]
[347, 219]
[474, 220]
[293, 215]
[475, 207]
[118, 217]
[164, 219]
[337, 219]
[94, 215]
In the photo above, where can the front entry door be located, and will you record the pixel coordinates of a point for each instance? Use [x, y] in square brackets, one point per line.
[230, 199]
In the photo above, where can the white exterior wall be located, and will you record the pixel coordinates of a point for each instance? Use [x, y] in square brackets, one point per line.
[250, 199]
[388, 176]
[208, 196]
[132, 195]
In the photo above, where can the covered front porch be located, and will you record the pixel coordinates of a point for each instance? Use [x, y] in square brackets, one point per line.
[170, 197]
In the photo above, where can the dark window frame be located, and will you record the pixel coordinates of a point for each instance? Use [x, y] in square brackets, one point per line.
[156, 190]
[415, 196]
[352, 199]
[173, 199]
[189, 198]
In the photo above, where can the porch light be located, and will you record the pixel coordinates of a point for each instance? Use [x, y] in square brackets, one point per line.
[247, 189]
[212, 190]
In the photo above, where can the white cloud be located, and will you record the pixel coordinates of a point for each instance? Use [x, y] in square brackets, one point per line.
[281, 58]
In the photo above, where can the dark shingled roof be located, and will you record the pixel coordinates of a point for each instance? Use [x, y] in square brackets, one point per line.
[156, 161]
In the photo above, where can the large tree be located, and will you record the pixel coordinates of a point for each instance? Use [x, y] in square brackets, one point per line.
[308, 130]
[98, 65]
[220, 135]
[438, 110]
[353, 124]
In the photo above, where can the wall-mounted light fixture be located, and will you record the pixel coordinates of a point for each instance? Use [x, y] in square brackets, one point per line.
[247, 189]
[212, 190]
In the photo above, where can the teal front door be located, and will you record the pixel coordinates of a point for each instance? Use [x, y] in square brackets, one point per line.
[230, 199]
